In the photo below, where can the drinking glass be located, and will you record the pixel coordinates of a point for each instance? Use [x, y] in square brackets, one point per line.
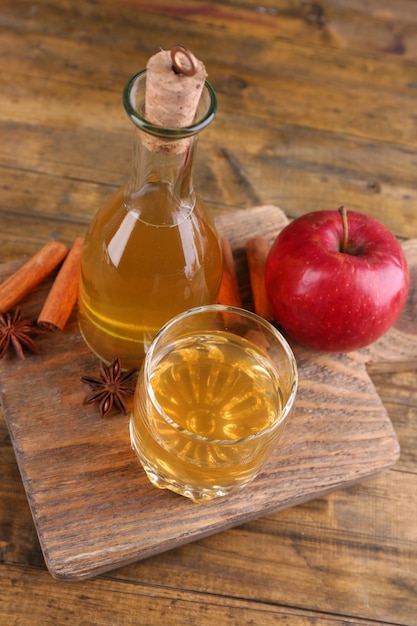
[212, 398]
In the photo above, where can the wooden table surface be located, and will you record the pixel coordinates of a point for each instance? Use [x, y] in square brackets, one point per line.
[316, 109]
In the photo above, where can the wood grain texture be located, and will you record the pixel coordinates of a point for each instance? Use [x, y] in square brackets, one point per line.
[308, 115]
[33, 601]
[316, 109]
[91, 502]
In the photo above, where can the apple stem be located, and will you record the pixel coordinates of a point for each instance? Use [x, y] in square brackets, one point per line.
[343, 213]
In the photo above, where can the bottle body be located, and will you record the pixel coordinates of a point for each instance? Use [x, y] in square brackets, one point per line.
[152, 251]
[141, 266]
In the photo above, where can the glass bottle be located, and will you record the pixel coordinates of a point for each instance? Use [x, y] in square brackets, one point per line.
[152, 251]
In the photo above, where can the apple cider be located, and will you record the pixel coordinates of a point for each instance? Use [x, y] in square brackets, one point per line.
[152, 251]
[208, 413]
[142, 266]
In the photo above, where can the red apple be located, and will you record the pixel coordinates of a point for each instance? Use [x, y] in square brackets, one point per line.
[337, 280]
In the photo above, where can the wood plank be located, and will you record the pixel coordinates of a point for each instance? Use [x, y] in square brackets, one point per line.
[350, 108]
[382, 495]
[366, 536]
[230, 177]
[335, 553]
[26, 234]
[372, 28]
[81, 456]
[259, 61]
[403, 413]
[33, 599]
[381, 510]
[306, 168]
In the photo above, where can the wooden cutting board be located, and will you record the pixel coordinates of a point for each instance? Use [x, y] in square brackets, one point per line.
[91, 502]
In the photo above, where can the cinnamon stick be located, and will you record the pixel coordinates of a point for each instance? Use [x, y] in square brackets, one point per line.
[257, 251]
[29, 275]
[229, 289]
[63, 294]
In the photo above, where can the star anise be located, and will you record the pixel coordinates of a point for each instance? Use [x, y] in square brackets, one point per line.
[17, 333]
[112, 387]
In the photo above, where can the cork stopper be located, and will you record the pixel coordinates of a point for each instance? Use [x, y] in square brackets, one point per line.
[174, 83]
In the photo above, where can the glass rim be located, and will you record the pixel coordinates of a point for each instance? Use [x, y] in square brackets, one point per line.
[237, 311]
[165, 132]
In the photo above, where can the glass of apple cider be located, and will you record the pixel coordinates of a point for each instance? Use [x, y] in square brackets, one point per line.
[211, 402]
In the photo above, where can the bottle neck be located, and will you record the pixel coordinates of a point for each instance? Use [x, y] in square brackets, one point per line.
[165, 169]
[163, 157]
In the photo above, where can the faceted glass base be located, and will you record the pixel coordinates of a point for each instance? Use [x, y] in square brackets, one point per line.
[196, 494]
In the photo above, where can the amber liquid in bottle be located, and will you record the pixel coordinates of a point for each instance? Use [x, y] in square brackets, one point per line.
[141, 266]
[152, 251]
